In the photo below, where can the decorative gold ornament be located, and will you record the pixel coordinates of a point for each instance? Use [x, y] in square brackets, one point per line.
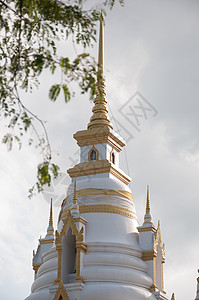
[142, 229]
[36, 267]
[100, 135]
[98, 167]
[50, 241]
[149, 255]
[61, 292]
[102, 208]
[157, 240]
[105, 208]
[153, 288]
[109, 192]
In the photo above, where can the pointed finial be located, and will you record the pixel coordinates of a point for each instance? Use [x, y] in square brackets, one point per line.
[148, 210]
[101, 48]
[148, 217]
[158, 223]
[50, 229]
[75, 192]
[75, 206]
[173, 297]
[100, 113]
[51, 214]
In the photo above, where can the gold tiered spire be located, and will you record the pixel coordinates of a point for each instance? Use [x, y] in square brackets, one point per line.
[100, 113]
[148, 216]
[50, 229]
[75, 206]
[75, 193]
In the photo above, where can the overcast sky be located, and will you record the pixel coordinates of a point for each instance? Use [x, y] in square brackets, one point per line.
[151, 47]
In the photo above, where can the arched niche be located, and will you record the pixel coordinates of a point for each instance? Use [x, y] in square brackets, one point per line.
[69, 252]
[75, 238]
[93, 154]
[112, 156]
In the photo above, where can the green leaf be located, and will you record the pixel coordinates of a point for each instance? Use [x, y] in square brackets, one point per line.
[67, 95]
[8, 140]
[54, 92]
[54, 169]
[43, 175]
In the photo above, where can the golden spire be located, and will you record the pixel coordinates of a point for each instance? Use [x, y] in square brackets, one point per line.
[158, 223]
[75, 207]
[148, 217]
[100, 117]
[50, 229]
[75, 193]
[173, 297]
[148, 210]
[51, 214]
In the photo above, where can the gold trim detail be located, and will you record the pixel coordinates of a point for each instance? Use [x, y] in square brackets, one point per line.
[80, 245]
[50, 241]
[153, 288]
[102, 208]
[36, 267]
[159, 249]
[97, 154]
[142, 229]
[61, 292]
[105, 208]
[109, 192]
[97, 167]
[83, 221]
[149, 255]
[119, 193]
[156, 240]
[98, 136]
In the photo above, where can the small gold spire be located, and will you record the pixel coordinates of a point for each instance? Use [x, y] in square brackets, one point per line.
[158, 228]
[173, 297]
[51, 214]
[100, 113]
[148, 217]
[75, 193]
[148, 210]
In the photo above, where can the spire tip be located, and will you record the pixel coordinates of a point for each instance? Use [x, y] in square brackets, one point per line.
[51, 214]
[148, 209]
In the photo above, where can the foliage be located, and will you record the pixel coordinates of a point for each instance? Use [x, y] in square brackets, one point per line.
[29, 31]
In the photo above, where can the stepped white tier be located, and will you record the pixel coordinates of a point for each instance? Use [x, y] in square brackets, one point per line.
[112, 266]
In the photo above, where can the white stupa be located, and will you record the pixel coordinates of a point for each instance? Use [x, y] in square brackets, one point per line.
[99, 252]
